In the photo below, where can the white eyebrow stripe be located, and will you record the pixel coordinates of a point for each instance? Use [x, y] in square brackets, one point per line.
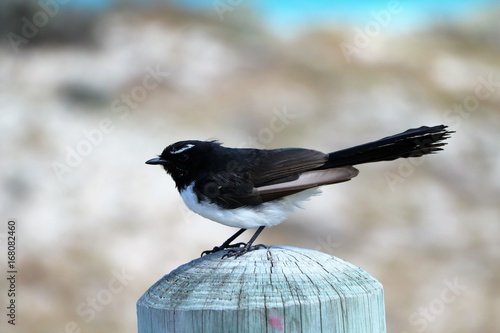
[186, 147]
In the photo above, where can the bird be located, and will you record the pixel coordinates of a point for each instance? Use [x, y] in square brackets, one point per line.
[251, 188]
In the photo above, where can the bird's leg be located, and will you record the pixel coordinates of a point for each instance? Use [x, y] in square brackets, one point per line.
[227, 244]
[248, 246]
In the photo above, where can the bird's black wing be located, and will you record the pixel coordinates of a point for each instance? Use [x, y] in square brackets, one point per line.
[251, 176]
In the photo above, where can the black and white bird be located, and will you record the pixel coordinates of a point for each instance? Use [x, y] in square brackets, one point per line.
[256, 188]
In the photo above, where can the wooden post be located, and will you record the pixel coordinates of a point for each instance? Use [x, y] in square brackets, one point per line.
[279, 289]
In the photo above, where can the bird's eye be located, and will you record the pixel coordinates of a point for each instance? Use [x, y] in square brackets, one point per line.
[183, 157]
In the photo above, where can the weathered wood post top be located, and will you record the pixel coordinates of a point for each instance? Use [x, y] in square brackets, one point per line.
[278, 289]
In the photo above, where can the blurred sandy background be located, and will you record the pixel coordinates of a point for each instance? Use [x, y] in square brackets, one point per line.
[90, 93]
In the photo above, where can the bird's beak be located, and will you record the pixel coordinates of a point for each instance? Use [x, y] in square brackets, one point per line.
[156, 160]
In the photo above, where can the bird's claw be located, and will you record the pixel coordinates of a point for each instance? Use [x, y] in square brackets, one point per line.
[223, 247]
[241, 251]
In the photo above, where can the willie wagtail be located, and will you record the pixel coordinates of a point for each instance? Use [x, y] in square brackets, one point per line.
[255, 188]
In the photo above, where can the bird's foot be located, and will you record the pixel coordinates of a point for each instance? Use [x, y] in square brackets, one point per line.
[235, 253]
[223, 247]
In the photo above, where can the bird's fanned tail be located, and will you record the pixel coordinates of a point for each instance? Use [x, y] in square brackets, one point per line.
[411, 143]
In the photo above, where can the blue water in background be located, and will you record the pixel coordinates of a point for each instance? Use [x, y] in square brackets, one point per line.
[283, 14]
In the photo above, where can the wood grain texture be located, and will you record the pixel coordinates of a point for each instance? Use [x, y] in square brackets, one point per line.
[279, 289]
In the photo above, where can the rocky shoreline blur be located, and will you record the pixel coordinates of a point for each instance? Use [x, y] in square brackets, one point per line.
[89, 96]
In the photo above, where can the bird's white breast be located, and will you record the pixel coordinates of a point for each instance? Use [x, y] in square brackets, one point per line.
[266, 214]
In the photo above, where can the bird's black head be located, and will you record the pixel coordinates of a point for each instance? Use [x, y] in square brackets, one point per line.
[183, 159]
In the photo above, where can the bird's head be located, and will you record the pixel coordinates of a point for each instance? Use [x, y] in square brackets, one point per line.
[184, 158]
